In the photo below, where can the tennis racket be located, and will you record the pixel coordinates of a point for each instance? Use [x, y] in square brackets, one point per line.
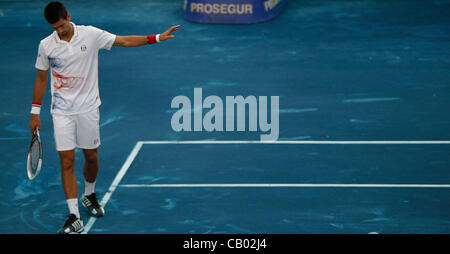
[34, 161]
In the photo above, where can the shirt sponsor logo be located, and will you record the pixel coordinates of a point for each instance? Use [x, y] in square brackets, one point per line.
[83, 48]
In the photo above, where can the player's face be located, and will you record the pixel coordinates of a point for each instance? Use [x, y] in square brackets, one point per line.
[62, 27]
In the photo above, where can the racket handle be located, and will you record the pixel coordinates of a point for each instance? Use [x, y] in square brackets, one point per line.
[36, 131]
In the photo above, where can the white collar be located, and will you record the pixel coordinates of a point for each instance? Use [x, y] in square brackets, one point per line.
[75, 33]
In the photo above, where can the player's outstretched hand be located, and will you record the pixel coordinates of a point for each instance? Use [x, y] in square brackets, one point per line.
[167, 34]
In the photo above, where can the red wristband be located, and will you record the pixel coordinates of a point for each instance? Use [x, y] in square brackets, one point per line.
[151, 39]
[36, 103]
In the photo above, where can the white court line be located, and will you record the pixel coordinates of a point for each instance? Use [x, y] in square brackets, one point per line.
[284, 185]
[139, 144]
[115, 183]
[297, 142]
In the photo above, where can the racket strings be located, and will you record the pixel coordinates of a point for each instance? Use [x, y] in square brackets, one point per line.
[35, 155]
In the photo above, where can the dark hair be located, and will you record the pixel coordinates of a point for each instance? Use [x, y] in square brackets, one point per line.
[55, 11]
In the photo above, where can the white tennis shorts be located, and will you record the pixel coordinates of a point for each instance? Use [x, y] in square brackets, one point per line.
[81, 130]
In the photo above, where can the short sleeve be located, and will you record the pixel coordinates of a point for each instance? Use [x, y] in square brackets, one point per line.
[103, 39]
[42, 62]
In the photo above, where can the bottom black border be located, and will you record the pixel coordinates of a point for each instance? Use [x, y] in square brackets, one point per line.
[229, 243]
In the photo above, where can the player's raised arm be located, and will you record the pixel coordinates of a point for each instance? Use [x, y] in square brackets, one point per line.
[38, 94]
[135, 40]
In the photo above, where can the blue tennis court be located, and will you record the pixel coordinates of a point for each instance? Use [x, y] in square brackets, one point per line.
[363, 147]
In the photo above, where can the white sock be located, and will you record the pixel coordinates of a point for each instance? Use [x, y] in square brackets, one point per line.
[88, 188]
[73, 206]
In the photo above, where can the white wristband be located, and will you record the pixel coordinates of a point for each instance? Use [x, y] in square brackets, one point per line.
[157, 38]
[36, 110]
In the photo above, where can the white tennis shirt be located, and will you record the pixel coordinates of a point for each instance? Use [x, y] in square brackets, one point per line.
[74, 68]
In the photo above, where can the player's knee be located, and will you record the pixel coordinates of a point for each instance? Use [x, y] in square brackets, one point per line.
[67, 159]
[91, 157]
[91, 160]
[67, 163]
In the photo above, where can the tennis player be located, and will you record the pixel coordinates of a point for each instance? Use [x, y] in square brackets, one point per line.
[71, 55]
